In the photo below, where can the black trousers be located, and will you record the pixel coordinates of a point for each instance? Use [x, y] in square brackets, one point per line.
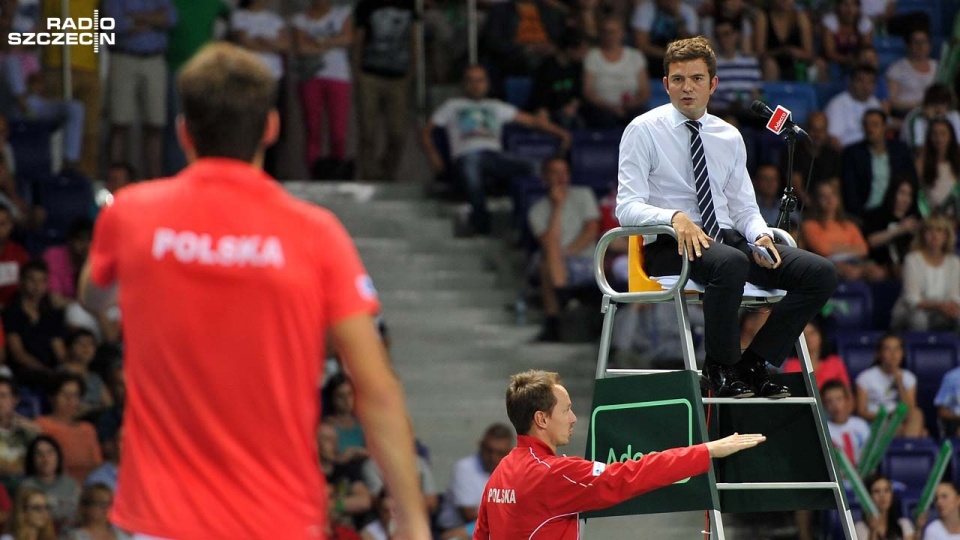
[723, 269]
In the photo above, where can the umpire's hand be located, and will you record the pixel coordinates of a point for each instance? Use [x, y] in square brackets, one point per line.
[689, 236]
[733, 444]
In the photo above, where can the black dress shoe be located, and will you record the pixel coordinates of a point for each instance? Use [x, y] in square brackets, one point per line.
[755, 374]
[724, 382]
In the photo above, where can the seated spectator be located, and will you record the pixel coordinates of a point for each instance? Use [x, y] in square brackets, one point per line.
[737, 13]
[519, 35]
[10, 199]
[847, 108]
[870, 165]
[322, 36]
[829, 233]
[939, 165]
[95, 503]
[825, 369]
[107, 473]
[558, 85]
[349, 497]
[783, 39]
[31, 517]
[81, 349]
[738, 72]
[119, 175]
[887, 384]
[12, 258]
[45, 473]
[930, 300]
[474, 125]
[26, 85]
[565, 224]
[890, 523]
[937, 103]
[947, 525]
[846, 30]
[889, 230]
[384, 527]
[81, 451]
[65, 261]
[16, 432]
[908, 78]
[469, 477]
[615, 82]
[847, 431]
[947, 401]
[428, 485]
[655, 23]
[338, 412]
[766, 184]
[110, 420]
[823, 150]
[34, 329]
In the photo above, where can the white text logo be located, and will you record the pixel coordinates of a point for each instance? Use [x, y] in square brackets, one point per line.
[227, 250]
[70, 31]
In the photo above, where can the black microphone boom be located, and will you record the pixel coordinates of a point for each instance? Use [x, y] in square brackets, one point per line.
[761, 109]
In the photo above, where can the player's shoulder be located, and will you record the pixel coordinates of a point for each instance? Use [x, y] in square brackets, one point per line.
[145, 193]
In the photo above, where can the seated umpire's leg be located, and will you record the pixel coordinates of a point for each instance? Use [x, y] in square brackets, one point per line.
[809, 280]
[722, 270]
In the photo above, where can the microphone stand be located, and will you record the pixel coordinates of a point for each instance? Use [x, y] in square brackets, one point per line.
[788, 202]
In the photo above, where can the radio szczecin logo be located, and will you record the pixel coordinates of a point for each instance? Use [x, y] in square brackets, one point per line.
[70, 31]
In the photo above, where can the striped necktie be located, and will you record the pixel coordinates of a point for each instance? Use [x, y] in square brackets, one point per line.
[708, 216]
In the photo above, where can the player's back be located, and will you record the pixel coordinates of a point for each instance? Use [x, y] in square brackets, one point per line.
[227, 286]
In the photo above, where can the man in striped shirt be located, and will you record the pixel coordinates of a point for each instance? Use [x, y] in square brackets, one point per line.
[739, 73]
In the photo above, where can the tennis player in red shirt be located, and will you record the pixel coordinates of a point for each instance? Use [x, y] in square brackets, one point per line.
[228, 288]
[535, 494]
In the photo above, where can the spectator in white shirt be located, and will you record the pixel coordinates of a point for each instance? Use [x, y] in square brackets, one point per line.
[846, 109]
[615, 82]
[908, 78]
[937, 102]
[886, 384]
[470, 475]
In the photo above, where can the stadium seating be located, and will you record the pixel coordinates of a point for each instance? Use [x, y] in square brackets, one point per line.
[594, 159]
[930, 356]
[526, 191]
[529, 144]
[799, 98]
[910, 464]
[851, 307]
[858, 350]
[519, 91]
[66, 198]
[658, 95]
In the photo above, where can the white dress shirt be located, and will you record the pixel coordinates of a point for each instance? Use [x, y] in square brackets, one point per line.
[656, 173]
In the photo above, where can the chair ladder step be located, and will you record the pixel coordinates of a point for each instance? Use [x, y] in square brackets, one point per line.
[761, 401]
[775, 485]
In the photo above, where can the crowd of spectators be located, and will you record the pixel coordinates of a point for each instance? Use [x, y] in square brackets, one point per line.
[882, 198]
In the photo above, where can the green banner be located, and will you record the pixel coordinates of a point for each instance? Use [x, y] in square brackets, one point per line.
[632, 416]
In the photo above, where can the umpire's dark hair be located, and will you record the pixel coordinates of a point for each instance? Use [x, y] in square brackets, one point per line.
[30, 467]
[226, 94]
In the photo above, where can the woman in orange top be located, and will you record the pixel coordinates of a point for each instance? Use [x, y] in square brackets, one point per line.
[81, 451]
[830, 234]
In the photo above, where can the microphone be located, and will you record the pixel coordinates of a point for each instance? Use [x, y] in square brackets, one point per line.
[761, 109]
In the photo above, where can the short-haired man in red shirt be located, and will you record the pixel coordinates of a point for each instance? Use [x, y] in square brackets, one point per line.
[534, 493]
[228, 288]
